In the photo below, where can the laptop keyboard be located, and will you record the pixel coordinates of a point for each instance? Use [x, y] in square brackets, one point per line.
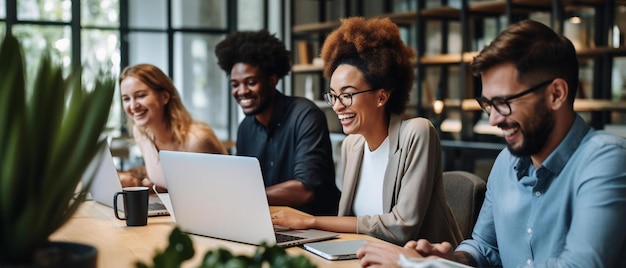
[156, 206]
[280, 238]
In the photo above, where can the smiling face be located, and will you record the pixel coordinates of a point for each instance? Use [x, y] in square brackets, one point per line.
[251, 89]
[143, 105]
[531, 122]
[367, 110]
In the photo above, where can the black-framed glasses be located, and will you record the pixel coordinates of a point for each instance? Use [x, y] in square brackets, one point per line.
[344, 98]
[502, 105]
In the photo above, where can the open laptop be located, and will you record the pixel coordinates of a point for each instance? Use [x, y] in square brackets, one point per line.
[223, 196]
[106, 183]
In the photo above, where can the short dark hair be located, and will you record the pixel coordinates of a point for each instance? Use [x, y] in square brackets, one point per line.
[537, 52]
[258, 48]
[374, 47]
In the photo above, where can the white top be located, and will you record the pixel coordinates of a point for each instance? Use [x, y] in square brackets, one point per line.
[368, 198]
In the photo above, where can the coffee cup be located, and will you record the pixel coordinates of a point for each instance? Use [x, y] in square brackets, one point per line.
[135, 205]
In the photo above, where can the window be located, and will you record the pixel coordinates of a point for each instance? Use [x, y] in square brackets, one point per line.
[177, 36]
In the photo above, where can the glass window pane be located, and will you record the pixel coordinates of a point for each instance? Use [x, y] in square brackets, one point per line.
[147, 14]
[103, 13]
[48, 10]
[250, 15]
[36, 39]
[148, 48]
[3, 9]
[199, 14]
[100, 48]
[200, 81]
[101, 51]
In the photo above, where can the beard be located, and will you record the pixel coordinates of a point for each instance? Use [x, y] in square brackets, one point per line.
[536, 134]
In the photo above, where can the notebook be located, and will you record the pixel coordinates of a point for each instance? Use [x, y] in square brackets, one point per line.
[335, 250]
[223, 196]
[106, 183]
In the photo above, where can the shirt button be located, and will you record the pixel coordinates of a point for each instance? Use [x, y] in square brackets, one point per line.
[537, 193]
[529, 230]
[529, 262]
[271, 163]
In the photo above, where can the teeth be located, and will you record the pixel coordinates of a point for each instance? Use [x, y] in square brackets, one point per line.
[245, 101]
[345, 116]
[509, 131]
[137, 114]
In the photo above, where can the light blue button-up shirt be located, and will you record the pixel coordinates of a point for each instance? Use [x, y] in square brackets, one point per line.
[570, 212]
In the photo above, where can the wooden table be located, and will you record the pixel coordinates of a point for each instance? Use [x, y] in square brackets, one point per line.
[121, 246]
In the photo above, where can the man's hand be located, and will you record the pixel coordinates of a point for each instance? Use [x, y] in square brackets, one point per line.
[379, 254]
[425, 248]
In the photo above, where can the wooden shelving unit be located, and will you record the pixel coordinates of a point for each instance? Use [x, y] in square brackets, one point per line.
[469, 15]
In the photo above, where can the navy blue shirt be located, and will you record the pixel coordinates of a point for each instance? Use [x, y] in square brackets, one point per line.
[294, 146]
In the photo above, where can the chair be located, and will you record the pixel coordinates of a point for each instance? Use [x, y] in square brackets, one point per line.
[465, 193]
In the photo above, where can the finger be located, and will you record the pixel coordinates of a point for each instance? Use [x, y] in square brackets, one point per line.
[424, 247]
[444, 247]
[411, 244]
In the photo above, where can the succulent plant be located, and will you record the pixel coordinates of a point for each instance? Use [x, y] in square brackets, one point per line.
[49, 133]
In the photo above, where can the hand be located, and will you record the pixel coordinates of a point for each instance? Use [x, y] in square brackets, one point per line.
[380, 254]
[128, 180]
[292, 220]
[425, 248]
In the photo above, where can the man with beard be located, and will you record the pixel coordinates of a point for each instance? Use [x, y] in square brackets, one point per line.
[289, 135]
[556, 196]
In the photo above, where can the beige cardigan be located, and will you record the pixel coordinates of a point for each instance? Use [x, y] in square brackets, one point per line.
[413, 196]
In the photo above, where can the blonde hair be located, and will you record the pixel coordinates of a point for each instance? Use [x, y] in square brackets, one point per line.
[177, 118]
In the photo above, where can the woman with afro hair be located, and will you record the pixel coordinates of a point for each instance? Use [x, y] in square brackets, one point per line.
[392, 167]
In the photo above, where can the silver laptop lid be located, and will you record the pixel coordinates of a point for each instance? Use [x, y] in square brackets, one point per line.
[221, 196]
[106, 183]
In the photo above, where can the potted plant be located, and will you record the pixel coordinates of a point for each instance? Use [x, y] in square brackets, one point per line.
[180, 249]
[49, 132]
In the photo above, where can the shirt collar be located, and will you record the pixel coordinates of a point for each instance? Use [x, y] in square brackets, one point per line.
[556, 161]
[279, 112]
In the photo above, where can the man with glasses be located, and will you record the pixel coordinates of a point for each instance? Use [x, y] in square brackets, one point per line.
[289, 135]
[556, 196]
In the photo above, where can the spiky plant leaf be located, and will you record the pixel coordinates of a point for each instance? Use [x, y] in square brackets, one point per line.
[48, 136]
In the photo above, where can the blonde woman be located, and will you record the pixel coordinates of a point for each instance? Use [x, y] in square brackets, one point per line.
[160, 122]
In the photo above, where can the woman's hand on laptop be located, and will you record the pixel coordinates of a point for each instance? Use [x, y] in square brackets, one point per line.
[293, 220]
[127, 179]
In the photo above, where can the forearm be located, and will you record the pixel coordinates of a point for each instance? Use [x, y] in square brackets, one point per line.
[464, 258]
[289, 193]
[335, 224]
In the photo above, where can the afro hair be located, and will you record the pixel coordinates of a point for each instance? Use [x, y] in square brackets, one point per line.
[257, 48]
[374, 47]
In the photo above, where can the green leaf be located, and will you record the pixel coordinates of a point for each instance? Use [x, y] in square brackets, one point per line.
[48, 135]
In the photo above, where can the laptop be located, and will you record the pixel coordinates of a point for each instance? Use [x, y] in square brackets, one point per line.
[223, 196]
[335, 250]
[106, 183]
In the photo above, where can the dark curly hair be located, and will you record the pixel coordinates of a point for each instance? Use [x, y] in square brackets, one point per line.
[537, 51]
[258, 48]
[375, 48]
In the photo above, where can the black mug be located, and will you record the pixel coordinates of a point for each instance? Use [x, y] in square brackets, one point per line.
[135, 205]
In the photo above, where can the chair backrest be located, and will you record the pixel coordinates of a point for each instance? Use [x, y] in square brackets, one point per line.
[465, 193]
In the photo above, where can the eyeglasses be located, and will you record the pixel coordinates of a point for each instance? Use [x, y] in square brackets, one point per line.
[502, 104]
[344, 98]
